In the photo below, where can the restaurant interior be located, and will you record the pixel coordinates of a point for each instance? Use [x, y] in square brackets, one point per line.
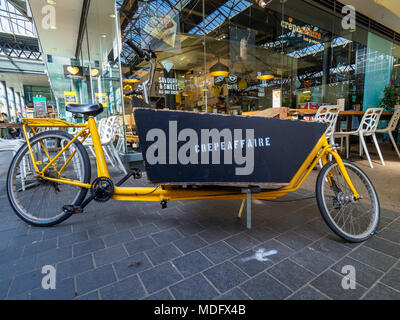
[229, 56]
[220, 56]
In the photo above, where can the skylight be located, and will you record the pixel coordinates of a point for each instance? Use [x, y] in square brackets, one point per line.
[227, 11]
[13, 22]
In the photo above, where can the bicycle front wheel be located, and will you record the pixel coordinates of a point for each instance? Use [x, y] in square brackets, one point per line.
[39, 201]
[354, 220]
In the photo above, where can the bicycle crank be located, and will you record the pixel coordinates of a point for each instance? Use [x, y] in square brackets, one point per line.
[101, 190]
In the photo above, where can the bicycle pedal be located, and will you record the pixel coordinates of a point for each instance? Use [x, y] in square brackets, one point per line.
[135, 173]
[72, 209]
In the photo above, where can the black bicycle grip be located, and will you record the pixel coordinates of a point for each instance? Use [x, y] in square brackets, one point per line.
[140, 52]
[133, 92]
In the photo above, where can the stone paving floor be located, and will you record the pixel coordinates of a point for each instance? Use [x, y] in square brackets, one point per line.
[195, 250]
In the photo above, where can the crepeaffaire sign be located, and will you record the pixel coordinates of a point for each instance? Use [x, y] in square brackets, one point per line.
[309, 35]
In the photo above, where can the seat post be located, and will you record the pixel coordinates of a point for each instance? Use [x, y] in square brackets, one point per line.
[102, 170]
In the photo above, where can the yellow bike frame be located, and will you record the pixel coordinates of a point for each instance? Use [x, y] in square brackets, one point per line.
[164, 192]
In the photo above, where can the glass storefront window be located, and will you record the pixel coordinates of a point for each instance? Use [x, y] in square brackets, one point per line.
[88, 70]
[224, 56]
[294, 47]
[11, 103]
[37, 91]
[4, 106]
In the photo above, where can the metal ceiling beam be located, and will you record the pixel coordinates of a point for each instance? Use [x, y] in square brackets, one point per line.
[20, 5]
[20, 51]
[82, 26]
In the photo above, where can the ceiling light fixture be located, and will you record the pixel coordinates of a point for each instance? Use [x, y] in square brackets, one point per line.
[104, 36]
[266, 75]
[112, 15]
[219, 69]
[263, 3]
[53, 2]
[133, 78]
[130, 80]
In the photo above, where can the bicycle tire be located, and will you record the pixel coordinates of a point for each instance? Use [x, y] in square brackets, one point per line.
[28, 217]
[326, 214]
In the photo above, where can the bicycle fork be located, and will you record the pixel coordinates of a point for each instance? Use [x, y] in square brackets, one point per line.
[344, 172]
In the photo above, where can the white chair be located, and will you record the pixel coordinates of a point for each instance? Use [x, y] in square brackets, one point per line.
[368, 126]
[107, 132]
[89, 142]
[328, 115]
[13, 146]
[110, 132]
[391, 127]
[119, 126]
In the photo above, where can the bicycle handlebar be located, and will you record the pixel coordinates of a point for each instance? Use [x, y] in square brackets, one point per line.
[134, 92]
[142, 53]
[150, 57]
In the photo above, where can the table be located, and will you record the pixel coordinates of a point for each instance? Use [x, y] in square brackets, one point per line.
[343, 115]
[346, 115]
[10, 125]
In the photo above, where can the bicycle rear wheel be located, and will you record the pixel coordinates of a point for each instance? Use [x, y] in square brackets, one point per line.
[353, 220]
[39, 201]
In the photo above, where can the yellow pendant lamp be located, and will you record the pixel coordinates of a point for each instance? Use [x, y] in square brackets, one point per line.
[132, 79]
[266, 75]
[219, 69]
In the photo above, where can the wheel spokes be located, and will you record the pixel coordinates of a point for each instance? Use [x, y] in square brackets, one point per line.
[355, 217]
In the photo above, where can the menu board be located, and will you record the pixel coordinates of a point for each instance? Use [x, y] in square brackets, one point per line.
[40, 106]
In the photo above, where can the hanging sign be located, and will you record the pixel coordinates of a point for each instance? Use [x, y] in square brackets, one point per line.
[308, 34]
[73, 71]
[167, 85]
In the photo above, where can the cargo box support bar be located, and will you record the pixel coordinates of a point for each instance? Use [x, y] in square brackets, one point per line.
[248, 206]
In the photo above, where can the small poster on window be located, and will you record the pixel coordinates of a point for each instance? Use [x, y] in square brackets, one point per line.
[276, 98]
[70, 97]
[341, 103]
[101, 98]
